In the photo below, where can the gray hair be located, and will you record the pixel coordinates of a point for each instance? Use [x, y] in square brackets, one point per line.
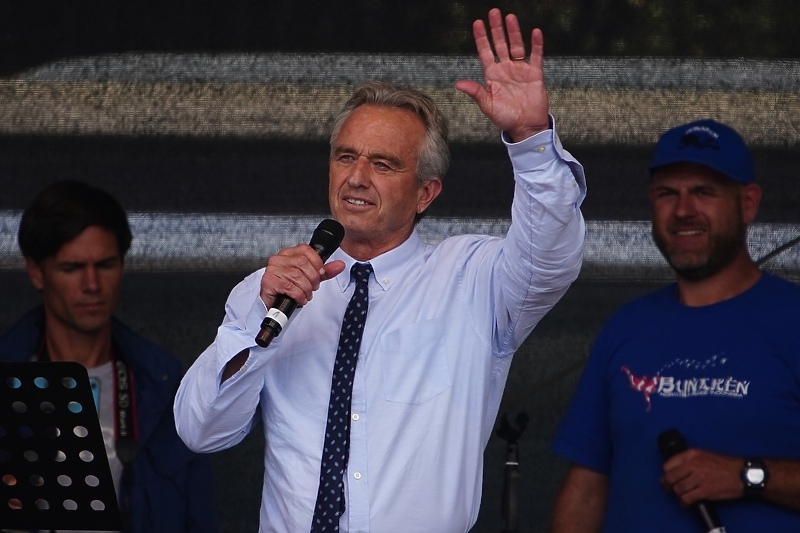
[433, 156]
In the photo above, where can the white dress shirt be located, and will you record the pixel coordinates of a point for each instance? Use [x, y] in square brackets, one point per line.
[442, 326]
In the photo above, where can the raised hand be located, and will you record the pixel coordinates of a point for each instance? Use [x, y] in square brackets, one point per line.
[514, 96]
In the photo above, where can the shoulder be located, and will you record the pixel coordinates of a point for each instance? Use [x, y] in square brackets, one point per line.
[144, 355]
[636, 316]
[643, 307]
[777, 286]
[465, 247]
[20, 341]
[773, 300]
[245, 289]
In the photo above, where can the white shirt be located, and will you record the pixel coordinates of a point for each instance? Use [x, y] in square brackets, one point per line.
[442, 325]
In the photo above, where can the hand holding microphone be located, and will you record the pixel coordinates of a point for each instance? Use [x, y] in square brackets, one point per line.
[325, 240]
[671, 443]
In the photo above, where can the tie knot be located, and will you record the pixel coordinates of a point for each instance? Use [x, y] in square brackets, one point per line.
[360, 272]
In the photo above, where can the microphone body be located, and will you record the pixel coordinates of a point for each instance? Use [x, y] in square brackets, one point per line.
[671, 443]
[325, 240]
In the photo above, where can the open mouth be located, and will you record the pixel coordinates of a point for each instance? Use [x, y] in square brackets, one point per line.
[358, 202]
[688, 232]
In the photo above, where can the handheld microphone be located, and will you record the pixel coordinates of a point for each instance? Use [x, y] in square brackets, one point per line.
[325, 240]
[670, 443]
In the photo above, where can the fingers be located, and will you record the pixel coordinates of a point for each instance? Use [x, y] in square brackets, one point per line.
[683, 489]
[499, 34]
[679, 475]
[294, 272]
[537, 48]
[516, 45]
[696, 475]
[506, 43]
[482, 44]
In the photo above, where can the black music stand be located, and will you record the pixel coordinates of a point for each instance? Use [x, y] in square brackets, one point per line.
[54, 472]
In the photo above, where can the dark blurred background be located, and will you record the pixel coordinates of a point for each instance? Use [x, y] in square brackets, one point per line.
[40, 30]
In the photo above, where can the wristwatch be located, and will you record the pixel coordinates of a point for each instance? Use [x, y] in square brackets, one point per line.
[754, 476]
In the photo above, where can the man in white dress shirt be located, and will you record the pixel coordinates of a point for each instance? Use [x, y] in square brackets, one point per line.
[443, 322]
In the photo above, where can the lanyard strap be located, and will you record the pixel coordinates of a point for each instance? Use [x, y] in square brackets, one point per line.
[125, 433]
[125, 412]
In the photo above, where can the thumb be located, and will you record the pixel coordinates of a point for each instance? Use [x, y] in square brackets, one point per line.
[472, 89]
[331, 270]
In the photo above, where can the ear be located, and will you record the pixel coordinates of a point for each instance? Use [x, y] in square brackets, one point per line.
[428, 192]
[750, 202]
[34, 273]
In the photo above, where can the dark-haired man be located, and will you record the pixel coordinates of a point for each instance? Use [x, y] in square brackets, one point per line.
[74, 238]
[715, 356]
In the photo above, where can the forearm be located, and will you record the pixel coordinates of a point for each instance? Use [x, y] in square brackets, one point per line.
[581, 502]
[696, 475]
[211, 416]
[543, 250]
[783, 486]
[547, 225]
[219, 395]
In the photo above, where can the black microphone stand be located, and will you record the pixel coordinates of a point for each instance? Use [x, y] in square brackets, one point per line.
[511, 482]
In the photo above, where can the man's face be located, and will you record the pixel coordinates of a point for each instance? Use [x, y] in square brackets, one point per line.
[700, 218]
[80, 284]
[373, 189]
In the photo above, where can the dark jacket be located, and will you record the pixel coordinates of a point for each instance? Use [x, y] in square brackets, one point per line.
[172, 487]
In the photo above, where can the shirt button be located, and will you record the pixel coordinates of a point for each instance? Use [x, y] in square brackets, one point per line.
[357, 475]
[355, 416]
[385, 281]
[541, 149]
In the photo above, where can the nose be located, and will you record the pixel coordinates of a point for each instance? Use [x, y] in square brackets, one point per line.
[685, 206]
[360, 173]
[91, 280]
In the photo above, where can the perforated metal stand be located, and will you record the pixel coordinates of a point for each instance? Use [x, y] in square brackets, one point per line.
[54, 472]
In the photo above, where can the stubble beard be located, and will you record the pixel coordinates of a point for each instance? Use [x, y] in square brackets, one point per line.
[723, 248]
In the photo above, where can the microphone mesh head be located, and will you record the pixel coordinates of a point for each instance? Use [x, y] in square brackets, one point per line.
[327, 237]
[671, 442]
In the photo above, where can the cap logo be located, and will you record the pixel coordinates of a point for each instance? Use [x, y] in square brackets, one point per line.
[700, 137]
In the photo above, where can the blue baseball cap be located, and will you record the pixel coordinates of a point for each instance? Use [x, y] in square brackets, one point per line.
[708, 143]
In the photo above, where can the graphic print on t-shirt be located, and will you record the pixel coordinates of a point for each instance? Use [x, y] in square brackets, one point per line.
[687, 378]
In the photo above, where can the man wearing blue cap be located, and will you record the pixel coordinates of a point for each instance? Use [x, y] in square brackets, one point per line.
[689, 406]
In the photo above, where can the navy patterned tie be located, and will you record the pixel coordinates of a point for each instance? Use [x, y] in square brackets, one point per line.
[330, 496]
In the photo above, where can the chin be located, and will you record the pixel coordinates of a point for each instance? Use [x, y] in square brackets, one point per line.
[93, 324]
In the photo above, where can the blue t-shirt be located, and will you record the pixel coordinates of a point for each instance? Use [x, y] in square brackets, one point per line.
[725, 375]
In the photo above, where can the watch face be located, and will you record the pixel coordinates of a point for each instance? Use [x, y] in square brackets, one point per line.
[755, 476]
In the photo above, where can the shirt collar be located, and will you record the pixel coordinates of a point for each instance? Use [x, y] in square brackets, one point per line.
[387, 267]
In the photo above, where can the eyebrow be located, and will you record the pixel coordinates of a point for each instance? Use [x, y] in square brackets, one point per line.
[105, 260]
[391, 159]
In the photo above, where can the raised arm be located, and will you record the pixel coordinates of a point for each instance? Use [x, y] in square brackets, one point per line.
[513, 96]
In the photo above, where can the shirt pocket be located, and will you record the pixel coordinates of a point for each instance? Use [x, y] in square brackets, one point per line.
[415, 367]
